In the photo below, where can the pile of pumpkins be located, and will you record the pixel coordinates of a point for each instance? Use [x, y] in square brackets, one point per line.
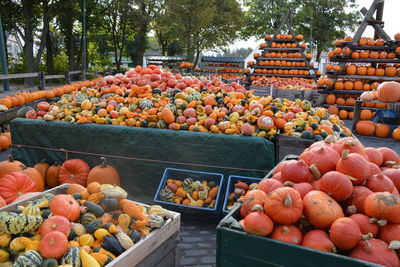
[22, 98]
[19, 181]
[151, 97]
[338, 197]
[74, 230]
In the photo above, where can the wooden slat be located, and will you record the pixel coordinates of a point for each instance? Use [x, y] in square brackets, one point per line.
[75, 72]
[18, 75]
[49, 77]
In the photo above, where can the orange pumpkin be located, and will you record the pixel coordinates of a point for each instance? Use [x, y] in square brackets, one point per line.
[389, 92]
[351, 69]
[52, 175]
[366, 114]
[396, 134]
[65, 205]
[284, 205]
[53, 245]
[15, 184]
[365, 127]
[35, 176]
[74, 171]
[331, 98]
[382, 130]
[333, 110]
[343, 114]
[103, 174]
[10, 165]
[75, 188]
[340, 101]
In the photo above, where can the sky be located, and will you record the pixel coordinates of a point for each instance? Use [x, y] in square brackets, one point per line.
[390, 17]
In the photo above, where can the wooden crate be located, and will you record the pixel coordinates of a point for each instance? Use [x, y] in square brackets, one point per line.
[289, 94]
[156, 249]
[262, 90]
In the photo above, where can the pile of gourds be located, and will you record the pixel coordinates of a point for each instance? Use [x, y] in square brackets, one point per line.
[239, 191]
[76, 230]
[150, 97]
[338, 197]
[189, 192]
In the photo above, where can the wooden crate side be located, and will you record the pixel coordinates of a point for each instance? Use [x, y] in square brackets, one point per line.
[289, 145]
[289, 94]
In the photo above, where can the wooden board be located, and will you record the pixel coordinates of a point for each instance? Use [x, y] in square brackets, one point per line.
[136, 254]
[289, 145]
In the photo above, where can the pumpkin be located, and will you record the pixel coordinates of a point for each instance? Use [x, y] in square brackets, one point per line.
[383, 205]
[2, 202]
[55, 223]
[93, 187]
[330, 99]
[52, 175]
[355, 165]
[269, 185]
[337, 185]
[380, 183]
[394, 175]
[332, 109]
[320, 209]
[74, 171]
[296, 171]
[42, 168]
[367, 96]
[35, 176]
[373, 169]
[14, 185]
[358, 196]
[318, 239]
[252, 198]
[375, 251]
[351, 144]
[75, 188]
[389, 154]
[53, 245]
[365, 127]
[284, 205]
[324, 158]
[366, 226]
[382, 130]
[257, 222]
[345, 233]
[103, 174]
[287, 233]
[10, 165]
[390, 232]
[374, 155]
[389, 92]
[302, 188]
[396, 134]
[366, 114]
[65, 205]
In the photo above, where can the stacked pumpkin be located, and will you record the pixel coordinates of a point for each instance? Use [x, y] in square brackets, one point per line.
[283, 82]
[21, 98]
[340, 100]
[17, 180]
[150, 97]
[189, 192]
[339, 197]
[71, 229]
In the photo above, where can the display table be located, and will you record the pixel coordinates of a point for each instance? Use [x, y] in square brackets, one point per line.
[152, 151]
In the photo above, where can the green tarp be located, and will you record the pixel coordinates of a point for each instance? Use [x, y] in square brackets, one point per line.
[153, 150]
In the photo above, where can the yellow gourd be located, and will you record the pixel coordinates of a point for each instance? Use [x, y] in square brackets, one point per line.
[101, 233]
[87, 260]
[124, 220]
[86, 240]
[101, 258]
[106, 252]
[19, 243]
[4, 255]
[32, 245]
[5, 240]
[73, 244]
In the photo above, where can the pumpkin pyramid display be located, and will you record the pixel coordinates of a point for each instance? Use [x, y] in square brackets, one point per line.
[76, 230]
[153, 98]
[338, 197]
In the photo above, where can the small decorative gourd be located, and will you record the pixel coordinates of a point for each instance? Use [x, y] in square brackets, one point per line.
[187, 185]
[5, 240]
[113, 191]
[31, 210]
[19, 243]
[87, 218]
[71, 257]
[156, 221]
[125, 241]
[78, 228]
[4, 255]
[86, 240]
[12, 223]
[30, 258]
[160, 211]
[166, 194]
[124, 220]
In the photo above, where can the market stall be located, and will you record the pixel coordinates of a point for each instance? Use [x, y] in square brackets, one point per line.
[228, 68]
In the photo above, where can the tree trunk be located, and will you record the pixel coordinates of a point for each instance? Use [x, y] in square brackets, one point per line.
[142, 34]
[319, 51]
[198, 51]
[49, 56]
[69, 43]
[27, 7]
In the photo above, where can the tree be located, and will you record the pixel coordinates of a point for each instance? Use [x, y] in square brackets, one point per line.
[263, 17]
[327, 20]
[205, 24]
[164, 27]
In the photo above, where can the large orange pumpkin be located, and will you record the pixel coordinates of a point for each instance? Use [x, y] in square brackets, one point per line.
[382, 130]
[396, 134]
[14, 185]
[284, 205]
[383, 205]
[35, 176]
[9, 165]
[103, 174]
[65, 205]
[74, 171]
[331, 98]
[389, 92]
[42, 168]
[332, 109]
[365, 127]
[366, 114]
[52, 175]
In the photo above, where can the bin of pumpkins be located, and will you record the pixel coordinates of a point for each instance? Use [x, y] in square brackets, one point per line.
[75, 229]
[337, 197]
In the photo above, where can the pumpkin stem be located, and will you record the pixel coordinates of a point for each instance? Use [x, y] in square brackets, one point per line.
[288, 183]
[345, 154]
[394, 244]
[351, 209]
[382, 222]
[288, 201]
[285, 230]
[367, 236]
[330, 139]
[334, 250]
[390, 163]
[351, 178]
[10, 158]
[103, 163]
[315, 171]
[23, 167]
[303, 221]
[257, 207]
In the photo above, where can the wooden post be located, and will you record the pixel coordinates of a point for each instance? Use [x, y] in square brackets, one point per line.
[42, 81]
[67, 77]
[357, 114]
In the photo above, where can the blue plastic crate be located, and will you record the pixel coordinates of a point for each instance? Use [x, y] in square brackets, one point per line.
[232, 180]
[180, 174]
